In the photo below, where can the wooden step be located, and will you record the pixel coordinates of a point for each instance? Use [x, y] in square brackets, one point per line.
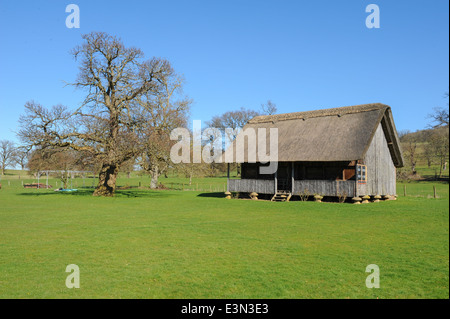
[281, 197]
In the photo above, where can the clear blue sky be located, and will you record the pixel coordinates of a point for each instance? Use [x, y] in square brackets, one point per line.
[303, 55]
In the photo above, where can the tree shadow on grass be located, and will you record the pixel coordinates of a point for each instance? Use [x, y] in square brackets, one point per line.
[212, 195]
[128, 193]
[432, 178]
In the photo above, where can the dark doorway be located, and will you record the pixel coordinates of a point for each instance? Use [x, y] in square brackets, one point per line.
[284, 177]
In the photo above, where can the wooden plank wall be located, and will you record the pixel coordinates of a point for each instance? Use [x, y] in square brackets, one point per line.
[381, 172]
[259, 186]
[325, 188]
[322, 187]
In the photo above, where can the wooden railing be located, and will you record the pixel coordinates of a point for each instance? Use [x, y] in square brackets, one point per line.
[259, 186]
[321, 187]
[325, 188]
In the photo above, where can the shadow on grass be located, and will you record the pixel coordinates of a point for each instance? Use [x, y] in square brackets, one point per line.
[431, 178]
[129, 193]
[214, 195]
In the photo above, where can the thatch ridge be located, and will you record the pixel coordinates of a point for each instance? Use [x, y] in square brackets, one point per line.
[338, 111]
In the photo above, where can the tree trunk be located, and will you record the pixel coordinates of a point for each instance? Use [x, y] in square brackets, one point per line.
[154, 173]
[107, 180]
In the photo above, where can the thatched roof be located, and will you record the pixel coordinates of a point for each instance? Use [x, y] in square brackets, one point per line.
[337, 134]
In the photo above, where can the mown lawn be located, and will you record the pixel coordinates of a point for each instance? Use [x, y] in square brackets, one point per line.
[196, 244]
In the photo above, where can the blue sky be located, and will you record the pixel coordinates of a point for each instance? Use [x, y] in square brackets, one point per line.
[303, 55]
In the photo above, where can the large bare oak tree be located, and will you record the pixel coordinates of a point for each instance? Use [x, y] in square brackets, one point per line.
[105, 125]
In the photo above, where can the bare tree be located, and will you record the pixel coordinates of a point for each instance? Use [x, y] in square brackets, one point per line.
[403, 133]
[53, 159]
[428, 153]
[21, 157]
[128, 167]
[410, 147]
[269, 108]
[105, 125]
[7, 154]
[163, 111]
[440, 115]
[232, 119]
[439, 141]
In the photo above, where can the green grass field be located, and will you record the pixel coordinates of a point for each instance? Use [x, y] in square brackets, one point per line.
[196, 244]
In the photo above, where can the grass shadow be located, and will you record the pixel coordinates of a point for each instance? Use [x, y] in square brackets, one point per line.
[80, 192]
[143, 193]
[430, 178]
[212, 195]
[128, 193]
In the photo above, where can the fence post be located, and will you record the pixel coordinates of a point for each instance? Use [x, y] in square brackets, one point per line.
[434, 191]
[404, 190]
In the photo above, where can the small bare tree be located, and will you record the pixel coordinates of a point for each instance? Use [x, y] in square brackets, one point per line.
[7, 154]
[269, 108]
[410, 147]
[440, 115]
[304, 195]
[342, 196]
[234, 120]
[439, 141]
[162, 112]
[21, 158]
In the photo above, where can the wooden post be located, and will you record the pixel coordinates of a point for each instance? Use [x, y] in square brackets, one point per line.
[228, 175]
[434, 191]
[404, 190]
[276, 181]
[292, 177]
